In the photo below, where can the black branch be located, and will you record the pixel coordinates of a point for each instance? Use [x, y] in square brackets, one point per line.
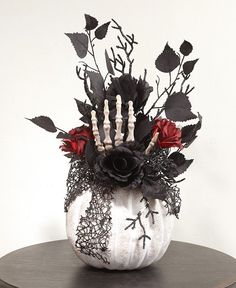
[126, 44]
[118, 62]
[150, 211]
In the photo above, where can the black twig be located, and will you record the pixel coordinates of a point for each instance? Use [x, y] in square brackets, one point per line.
[185, 77]
[62, 131]
[150, 211]
[85, 64]
[167, 90]
[93, 54]
[78, 72]
[132, 225]
[127, 45]
[117, 60]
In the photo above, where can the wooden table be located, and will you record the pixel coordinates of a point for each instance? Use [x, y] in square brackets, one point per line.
[54, 265]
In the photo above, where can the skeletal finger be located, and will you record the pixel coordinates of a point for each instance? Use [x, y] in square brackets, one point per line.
[96, 132]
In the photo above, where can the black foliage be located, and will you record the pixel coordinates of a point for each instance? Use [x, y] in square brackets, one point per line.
[188, 66]
[91, 22]
[181, 163]
[143, 128]
[90, 153]
[189, 132]
[168, 60]
[154, 189]
[44, 122]
[108, 63]
[62, 135]
[186, 48]
[178, 107]
[97, 87]
[80, 43]
[143, 92]
[130, 89]
[85, 109]
[101, 31]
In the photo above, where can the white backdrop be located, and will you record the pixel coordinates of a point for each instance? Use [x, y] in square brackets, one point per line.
[37, 72]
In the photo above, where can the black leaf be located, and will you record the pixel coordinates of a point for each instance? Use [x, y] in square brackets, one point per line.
[186, 48]
[143, 92]
[153, 189]
[182, 168]
[101, 31]
[187, 144]
[178, 107]
[90, 152]
[143, 127]
[108, 63]
[188, 133]
[91, 22]
[97, 86]
[188, 66]
[80, 43]
[45, 123]
[85, 110]
[62, 135]
[180, 161]
[168, 60]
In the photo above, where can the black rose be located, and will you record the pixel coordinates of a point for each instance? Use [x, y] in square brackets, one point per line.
[128, 88]
[121, 165]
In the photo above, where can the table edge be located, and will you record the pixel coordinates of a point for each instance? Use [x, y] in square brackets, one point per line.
[64, 240]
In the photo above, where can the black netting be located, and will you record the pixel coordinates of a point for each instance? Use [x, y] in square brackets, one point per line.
[79, 179]
[173, 201]
[94, 228]
[93, 231]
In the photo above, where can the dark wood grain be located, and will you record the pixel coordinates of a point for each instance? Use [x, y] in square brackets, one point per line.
[54, 265]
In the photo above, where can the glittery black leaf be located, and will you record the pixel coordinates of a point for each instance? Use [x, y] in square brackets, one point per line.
[180, 161]
[85, 109]
[168, 60]
[178, 107]
[97, 87]
[62, 135]
[188, 66]
[45, 123]
[108, 63]
[153, 189]
[186, 48]
[91, 22]
[90, 153]
[189, 132]
[101, 31]
[80, 43]
[143, 127]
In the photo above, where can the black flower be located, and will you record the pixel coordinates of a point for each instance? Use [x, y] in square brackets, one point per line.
[130, 89]
[121, 165]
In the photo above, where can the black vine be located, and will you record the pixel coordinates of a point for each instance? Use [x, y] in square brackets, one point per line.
[138, 220]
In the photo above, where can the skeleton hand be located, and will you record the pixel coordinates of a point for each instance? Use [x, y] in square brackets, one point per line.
[107, 143]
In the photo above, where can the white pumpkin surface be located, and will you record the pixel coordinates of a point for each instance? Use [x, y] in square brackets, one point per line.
[125, 251]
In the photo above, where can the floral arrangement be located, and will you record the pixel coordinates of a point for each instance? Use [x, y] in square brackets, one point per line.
[125, 140]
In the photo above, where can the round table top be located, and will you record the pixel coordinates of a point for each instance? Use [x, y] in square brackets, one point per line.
[54, 265]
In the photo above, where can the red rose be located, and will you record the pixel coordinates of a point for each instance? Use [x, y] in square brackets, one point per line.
[169, 134]
[79, 138]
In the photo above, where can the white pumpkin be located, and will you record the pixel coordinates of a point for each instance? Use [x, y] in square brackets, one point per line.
[126, 252]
